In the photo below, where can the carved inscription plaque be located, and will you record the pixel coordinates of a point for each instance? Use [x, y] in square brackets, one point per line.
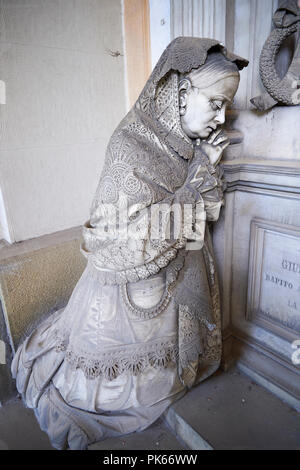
[274, 277]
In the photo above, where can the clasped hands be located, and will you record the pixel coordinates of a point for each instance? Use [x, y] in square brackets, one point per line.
[213, 147]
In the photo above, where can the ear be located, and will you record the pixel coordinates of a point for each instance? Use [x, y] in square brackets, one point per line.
[184, 87]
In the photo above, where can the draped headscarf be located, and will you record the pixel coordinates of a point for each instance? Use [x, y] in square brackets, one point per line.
[216, 68]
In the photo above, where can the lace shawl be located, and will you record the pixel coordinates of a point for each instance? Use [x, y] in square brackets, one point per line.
[146, 165]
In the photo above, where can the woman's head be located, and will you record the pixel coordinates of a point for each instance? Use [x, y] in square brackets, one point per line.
[204, 94]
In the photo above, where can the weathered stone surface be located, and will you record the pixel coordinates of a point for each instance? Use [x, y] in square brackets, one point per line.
[231, 412]
[156, 437]
[19, 429]
[7, 386]
[267, 191]
[268, 370]
[274, 277]
[37, 277]
[56, 64]
[227, 401]
[282, 90]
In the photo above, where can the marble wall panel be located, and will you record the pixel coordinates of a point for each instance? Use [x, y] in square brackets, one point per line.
[249, 203]
[274, 278]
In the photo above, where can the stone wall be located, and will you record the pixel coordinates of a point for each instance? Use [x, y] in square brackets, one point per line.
[37, 278]
[63, 65]
[63, 68]
[260, 226]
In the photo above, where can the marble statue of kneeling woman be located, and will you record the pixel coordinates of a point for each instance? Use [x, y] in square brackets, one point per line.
[143, 323]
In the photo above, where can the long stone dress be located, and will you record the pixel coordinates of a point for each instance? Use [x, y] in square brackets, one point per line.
[143, 323]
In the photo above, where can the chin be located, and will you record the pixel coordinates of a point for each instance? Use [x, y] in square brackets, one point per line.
[204, 134]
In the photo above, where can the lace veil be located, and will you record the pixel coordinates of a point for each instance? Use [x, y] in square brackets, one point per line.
[146, 163]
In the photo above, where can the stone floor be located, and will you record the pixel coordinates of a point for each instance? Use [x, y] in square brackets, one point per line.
[19, 429]
[227, 411]
[158, 437]
[230, 411]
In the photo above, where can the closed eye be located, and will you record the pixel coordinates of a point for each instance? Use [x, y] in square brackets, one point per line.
[216, 104]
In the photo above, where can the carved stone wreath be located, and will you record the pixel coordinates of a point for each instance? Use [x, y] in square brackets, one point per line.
[285, 90]
[280, 90]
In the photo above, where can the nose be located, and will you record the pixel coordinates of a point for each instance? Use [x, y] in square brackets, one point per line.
[220, 117]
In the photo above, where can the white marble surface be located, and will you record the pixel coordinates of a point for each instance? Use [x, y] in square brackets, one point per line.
[274, 277]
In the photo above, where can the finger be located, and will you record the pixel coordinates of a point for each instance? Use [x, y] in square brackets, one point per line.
[221, 139]
[220, 135]
[213, 136]
[224, 145]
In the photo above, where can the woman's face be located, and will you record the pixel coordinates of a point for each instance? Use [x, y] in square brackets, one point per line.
[205, 108]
